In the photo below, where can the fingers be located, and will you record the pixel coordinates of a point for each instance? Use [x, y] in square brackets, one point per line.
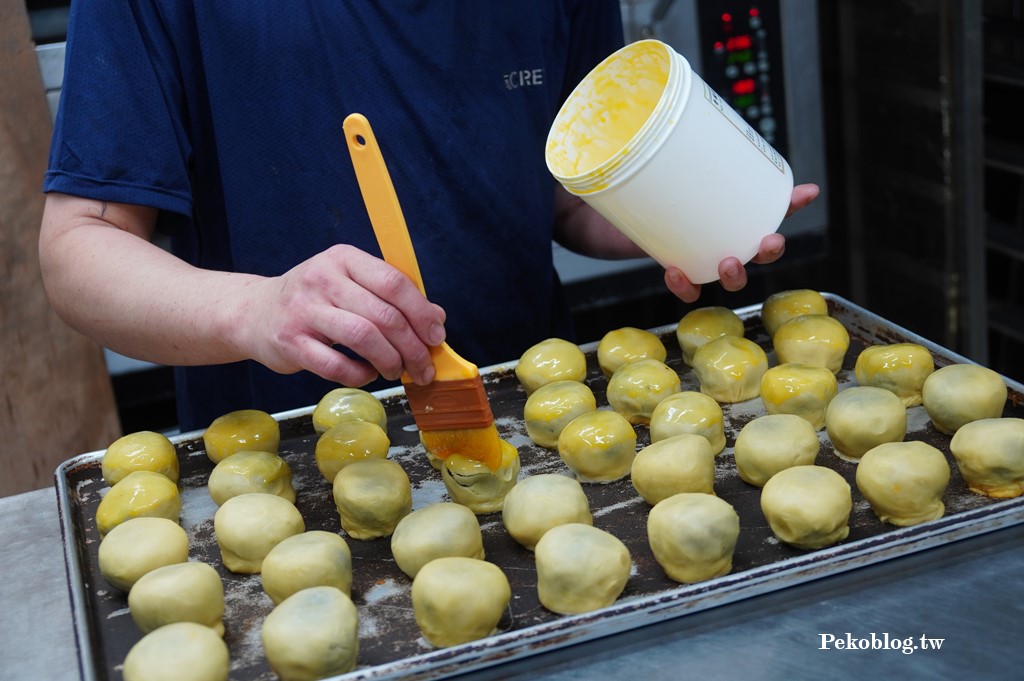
[803, 195]
[732, 274]
[681, 286]
[771, 249]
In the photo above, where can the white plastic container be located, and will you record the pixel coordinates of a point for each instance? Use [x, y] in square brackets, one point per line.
[654, 150]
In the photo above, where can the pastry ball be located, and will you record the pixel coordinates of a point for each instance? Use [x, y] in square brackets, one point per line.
[961, 393]
[183, 650]
[552, 407]
[681, 463]
[580, 568]
[457, 600]
[183, 592]
[139, 545]
[541, 502]
[245, 472]
[990, 456]
[551, 360]
[246, 430]
[780, 307]
[693, 536]
[900, 368]
[348, 404]
[807, 506]
[313, 558]
[730, 368]
[799, 389]
[250, 525]
[635, 389]
[704, 324]
[689, 412]
[863, 417]
[371, 496]
[815, 339]
[347, 442]
[474, 485]
[626, 345]
[904, 482]
[141, 451]
[140, 494]
[436, 531]
[598, 447]
[312, 634]
[771, 443]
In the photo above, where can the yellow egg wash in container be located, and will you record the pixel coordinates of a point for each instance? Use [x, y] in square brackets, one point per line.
[651, 147]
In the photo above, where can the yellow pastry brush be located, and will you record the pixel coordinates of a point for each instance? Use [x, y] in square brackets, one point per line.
[452, 412]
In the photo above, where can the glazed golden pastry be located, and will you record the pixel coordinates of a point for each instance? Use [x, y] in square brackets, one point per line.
[348, 404]
[245, 430]
[541, 502]
[183, 592]
[245, 472]
[474, 485]
[863, 417]
[141, 451]
[771, 443]
[457, 600]
[689, 412]
[780, 307]
[552, 407]
[693, 536]
[580, 568]
[550, 360]
[799, 389]
[807, 506]
[960, 393]
[625, 345]
[990, 456]
[248, 526]
[635, 389]
[730, 368]
[371, 496]
[436, 531]
[139, 545]
[183, 650]
[904, 482]
[312, 634]
[681, 463]
[312, 558]
[704, 324]
[349, 441]
[900, 368]
[140, 494]
[598, 446]
[815, 339]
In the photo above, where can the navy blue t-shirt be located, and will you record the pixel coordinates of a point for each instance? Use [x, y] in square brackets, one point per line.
[227, 117]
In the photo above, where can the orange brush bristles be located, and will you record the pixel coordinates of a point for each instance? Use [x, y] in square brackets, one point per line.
[454, 417]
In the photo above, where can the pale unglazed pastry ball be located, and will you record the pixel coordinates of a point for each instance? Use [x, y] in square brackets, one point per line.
[900, 368]
[625, 345]
[245, 430]
[550, 360]
[815, 339]
[681, 463]
[183, 650]
[961, 393]
[541, 502]
[348, 404]
[808, 506]
[245, 472]
[730, 368]
[248, 526]
[689, 412]
[990, 456]
[780, 307]
[580, 568]
[436, 531]
[771, 443]
[598, 446]
[552, 407]
[635, 389]
[863, 417]
[144, 450]
[904, 482]
[312, 634]
[799, 389]
[371, 496]
[474, 485]
[349, 441]
[140, 494]
[457, 600]
[301, 561]
[704, 324]
[693, 536]
[183, 592]
[139, 545]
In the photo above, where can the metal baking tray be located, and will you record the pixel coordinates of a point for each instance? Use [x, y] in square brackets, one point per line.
[390, 642]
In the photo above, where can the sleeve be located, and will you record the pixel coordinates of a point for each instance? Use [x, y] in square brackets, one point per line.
[595, 32]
